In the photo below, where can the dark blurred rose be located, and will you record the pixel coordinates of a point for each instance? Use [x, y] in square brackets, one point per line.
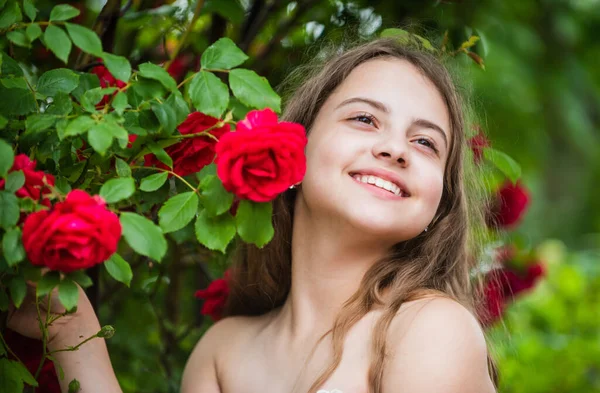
[178, 68]
[510, 205]
[106, 80]
[215, 297]
[494, 302]
[477, 143]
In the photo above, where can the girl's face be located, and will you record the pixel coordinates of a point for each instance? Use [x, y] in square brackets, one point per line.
[387, 124]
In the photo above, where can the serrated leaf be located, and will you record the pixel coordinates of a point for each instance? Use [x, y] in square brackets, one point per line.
[68, 293]
[79, 125]
[30, 10]
[9, 210]
[47, 283]
[215, 198]
[253, 221]
[100, 139]
[85, 39]
[253, 90]
[123, 168]
[118, 66]
[12, 246]
[143, 236]
[223, 54]
[7, 157]
[19, 38]
[81, 278]
[58, 42]
[504, 163]
[161, 154]
[18, 290]
[153, 182]
[115, 190]
[119, 269]
[119, 102]
[209, 94]
[10, 14]
[165, 115]
[14, 181]
[16, 101]
[63, 12]
[33, 32]
[39, 122]
[178, 211]
[215, 232]
[152, 71]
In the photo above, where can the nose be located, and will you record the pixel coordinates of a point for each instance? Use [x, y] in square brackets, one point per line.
[391, 148]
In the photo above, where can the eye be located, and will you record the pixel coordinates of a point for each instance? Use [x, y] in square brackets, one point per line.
[365, 118]
[428, 143]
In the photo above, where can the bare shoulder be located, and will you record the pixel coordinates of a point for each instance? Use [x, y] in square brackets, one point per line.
[201, 371]
[437, 346]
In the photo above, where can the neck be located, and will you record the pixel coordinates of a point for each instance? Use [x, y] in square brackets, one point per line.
[329, 260]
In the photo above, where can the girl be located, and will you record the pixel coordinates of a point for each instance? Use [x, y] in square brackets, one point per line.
[366, 286]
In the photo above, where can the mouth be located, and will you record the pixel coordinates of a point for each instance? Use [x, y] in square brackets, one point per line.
[379, 184]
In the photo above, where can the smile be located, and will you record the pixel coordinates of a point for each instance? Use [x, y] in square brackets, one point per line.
[386, 185]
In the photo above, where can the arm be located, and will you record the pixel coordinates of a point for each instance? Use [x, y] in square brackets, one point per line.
[438, 348]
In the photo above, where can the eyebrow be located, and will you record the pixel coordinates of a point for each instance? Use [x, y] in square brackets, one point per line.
[427, 124]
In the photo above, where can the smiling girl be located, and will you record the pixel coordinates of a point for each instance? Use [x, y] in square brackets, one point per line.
[366, 285]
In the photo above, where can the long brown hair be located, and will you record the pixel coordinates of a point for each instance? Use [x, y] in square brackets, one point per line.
[440, 259]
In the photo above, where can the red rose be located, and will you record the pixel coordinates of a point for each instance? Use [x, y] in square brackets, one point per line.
[494, 300]
[477, 143]
[30, 353]
[515, 282]
[178, 68]
[512, 201]
[263, 158]
[34, 186]
[215, 297]
[190, 155]
[106, 80]
[75, 234]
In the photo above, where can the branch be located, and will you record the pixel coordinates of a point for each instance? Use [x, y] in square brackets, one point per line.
[260, 18]
[105, 26]
[186, 34]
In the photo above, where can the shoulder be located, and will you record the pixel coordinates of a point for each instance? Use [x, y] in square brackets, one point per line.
[201, 371]
[437, 345]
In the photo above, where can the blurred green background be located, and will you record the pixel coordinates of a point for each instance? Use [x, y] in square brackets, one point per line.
[538, 100]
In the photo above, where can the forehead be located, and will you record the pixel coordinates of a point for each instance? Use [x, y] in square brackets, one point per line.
[398, 85]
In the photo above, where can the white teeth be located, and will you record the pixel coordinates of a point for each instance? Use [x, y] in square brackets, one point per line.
[378, 182]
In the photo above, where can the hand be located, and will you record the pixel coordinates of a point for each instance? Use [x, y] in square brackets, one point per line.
[25, 320]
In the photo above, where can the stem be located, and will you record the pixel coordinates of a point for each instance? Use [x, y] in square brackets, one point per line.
[186, 80]
[33, 92]
[170, 172]
[44, 331]
[75, 348]
[8, 348]
[186, 33]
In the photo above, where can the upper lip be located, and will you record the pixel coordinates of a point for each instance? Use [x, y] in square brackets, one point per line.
[385, 175]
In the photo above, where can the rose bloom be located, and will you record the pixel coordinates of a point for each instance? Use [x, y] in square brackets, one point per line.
[215, 297]
[262, 158]
[512, 201]
[106, 80]
[34, 186]
[477, 143]
[75, 234]
[190, 155]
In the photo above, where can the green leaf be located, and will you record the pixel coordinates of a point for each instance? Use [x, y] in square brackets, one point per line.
[18, 38]
[143, 236]
[119, 102]
[58, 42]
[61, 105]
[208, 94]
[4, 303]
[161, 154]
[3, 122]
[25, 374]
[16, 101]
[14, 181]
[85, 39]
[118, 66]
[153, 182]
[152, 71]
[63, 12]
[47, 283]
[118, 189]
[12, 246]
[18, 290]
[7, 157]
[165, 115]
[12, 381]
[215, 198]
[10, 14]
[402, 36]
[119, 269]
[253, 90]
[74, 386]
[30, 10]
[68, 293]
[9, 210]
[223, 54]
[123, 168]
[33, 32]
[100, 139]
[504, 163]
[9, 66]
[178, 211]
[81, 278]
[39, 122]
[253, 221]
[79, 125]
[215, 232]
